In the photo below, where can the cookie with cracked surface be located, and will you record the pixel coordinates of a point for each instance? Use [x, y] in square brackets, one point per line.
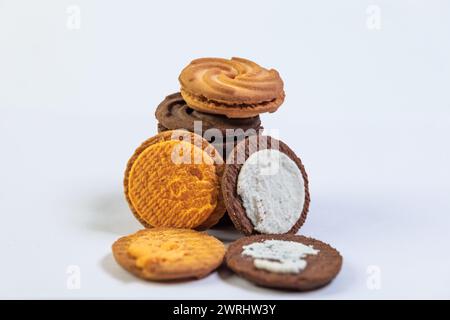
[162, 254]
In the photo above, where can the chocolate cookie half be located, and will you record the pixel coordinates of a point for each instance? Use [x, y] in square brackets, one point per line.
[173, 113]
[284, 261]
[265, 187]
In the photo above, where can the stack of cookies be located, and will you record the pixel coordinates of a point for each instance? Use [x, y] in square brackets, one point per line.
[221, 100]
[178, 184]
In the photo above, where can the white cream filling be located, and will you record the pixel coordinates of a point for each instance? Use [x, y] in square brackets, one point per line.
[279, 256]
[272, 190]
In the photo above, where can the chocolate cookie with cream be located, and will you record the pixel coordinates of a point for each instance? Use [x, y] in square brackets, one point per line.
[265, 187]
[284, 261]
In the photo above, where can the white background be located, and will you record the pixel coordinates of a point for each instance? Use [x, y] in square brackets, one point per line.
[368, 111]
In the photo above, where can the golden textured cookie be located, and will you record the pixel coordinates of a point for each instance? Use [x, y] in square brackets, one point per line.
[236, 88]
[173, 180]
[169, 253]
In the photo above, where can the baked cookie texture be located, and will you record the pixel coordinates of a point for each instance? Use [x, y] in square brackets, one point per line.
[173, 183]
[224, 146]
[162, 254]
[236, 87]
[173, 113]
[173, 197]
[235, 161]
[321, 269]
[222, 132]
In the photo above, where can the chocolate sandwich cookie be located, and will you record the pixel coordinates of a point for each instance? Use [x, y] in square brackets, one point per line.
[286, 261]
[173, 113]
[265, 187]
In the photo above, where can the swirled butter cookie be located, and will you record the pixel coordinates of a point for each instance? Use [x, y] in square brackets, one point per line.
[236, 87]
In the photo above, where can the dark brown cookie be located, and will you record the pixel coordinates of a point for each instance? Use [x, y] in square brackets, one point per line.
[320, 270]
[173, 113]
[234, 163]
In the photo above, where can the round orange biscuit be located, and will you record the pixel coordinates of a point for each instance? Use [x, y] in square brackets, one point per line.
[169, 254]
[171, 182]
